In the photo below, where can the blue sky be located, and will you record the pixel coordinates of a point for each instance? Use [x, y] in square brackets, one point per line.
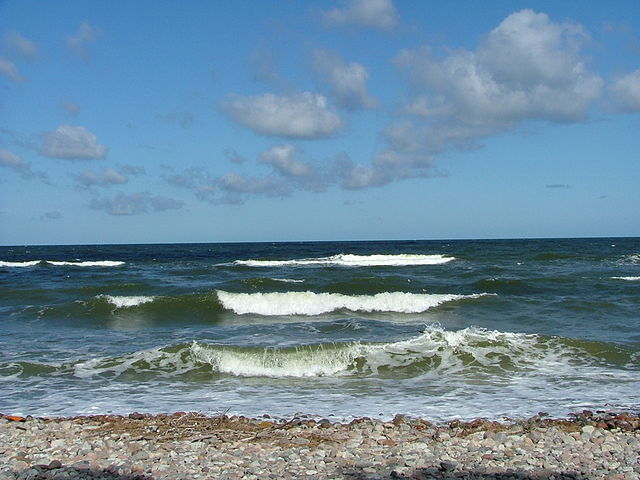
[167, 121]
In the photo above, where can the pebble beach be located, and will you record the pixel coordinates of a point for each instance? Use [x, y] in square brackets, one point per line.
[587, 445]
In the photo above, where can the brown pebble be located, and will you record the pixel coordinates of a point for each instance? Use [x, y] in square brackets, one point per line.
[54, 464]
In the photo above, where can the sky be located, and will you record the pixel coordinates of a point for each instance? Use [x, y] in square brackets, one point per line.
[210, 121]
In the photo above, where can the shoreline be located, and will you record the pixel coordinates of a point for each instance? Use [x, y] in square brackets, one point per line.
[190, 445]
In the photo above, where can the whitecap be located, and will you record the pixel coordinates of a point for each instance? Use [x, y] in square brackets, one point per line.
[29, 263]
[96, 263]
[310, 303]
[350, 260]
[126, 302]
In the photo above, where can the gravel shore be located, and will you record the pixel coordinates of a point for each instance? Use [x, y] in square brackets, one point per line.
[192, 446]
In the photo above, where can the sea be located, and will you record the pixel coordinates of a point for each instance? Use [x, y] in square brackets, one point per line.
[441, 330]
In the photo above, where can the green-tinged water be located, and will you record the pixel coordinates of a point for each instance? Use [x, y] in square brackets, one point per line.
[438, 329]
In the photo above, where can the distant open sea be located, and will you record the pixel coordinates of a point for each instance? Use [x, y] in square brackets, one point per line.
[436, 329]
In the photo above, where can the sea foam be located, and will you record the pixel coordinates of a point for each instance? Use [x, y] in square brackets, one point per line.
[471, 352]
[310, 303]
[97, 263]
[630, 279]
[29, 263]
[125, 302]
[349, 260]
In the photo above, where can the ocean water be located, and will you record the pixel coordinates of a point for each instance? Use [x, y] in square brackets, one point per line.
[436, 329]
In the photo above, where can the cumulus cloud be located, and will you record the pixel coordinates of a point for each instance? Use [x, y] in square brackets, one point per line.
[303, 116]
[231, 188]
[13, 161]
[72, 143]
[135, 204]
[21, 46]
[283, 159]
[625, 91]
[79, 43]
[380, 14]
[234, 188]
[9, 70]
[347, 82]
[527, 69]
[108, 177]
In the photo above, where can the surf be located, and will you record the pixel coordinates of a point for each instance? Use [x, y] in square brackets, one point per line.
[350, 260]
[310, 303]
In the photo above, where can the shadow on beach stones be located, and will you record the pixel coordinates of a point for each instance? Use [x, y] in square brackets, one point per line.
[448, 471]
[59, 472]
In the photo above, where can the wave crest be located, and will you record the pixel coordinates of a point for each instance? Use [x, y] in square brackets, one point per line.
[472, 352]
[310, 303]
[350, 260]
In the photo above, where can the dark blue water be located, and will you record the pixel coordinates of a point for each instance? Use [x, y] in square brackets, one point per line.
[438, 329]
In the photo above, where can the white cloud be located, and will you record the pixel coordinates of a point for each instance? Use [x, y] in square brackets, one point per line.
[282, 158]
[72, 143]
[79, 42]
[21, 46]
[135, 204]
[12, 161]
[626, 92]
[380, 14]
[9, 70]
[526, 68]
[108, 177]
[305, 115]
[347, 82]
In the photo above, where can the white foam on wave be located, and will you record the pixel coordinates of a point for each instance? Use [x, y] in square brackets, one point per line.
[300, 362]
[353, 261]
[29, 263]
[310, 303]
[126, 302]
[436, 351]
[630, 279]
[97, 263]
[287, 280]
[436, 354]
[163, 363]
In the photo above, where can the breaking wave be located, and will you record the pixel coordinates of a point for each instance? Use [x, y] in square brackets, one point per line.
[126, 301]
[630, 279]
[310, 303]
[472, 353]
[349, 260]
